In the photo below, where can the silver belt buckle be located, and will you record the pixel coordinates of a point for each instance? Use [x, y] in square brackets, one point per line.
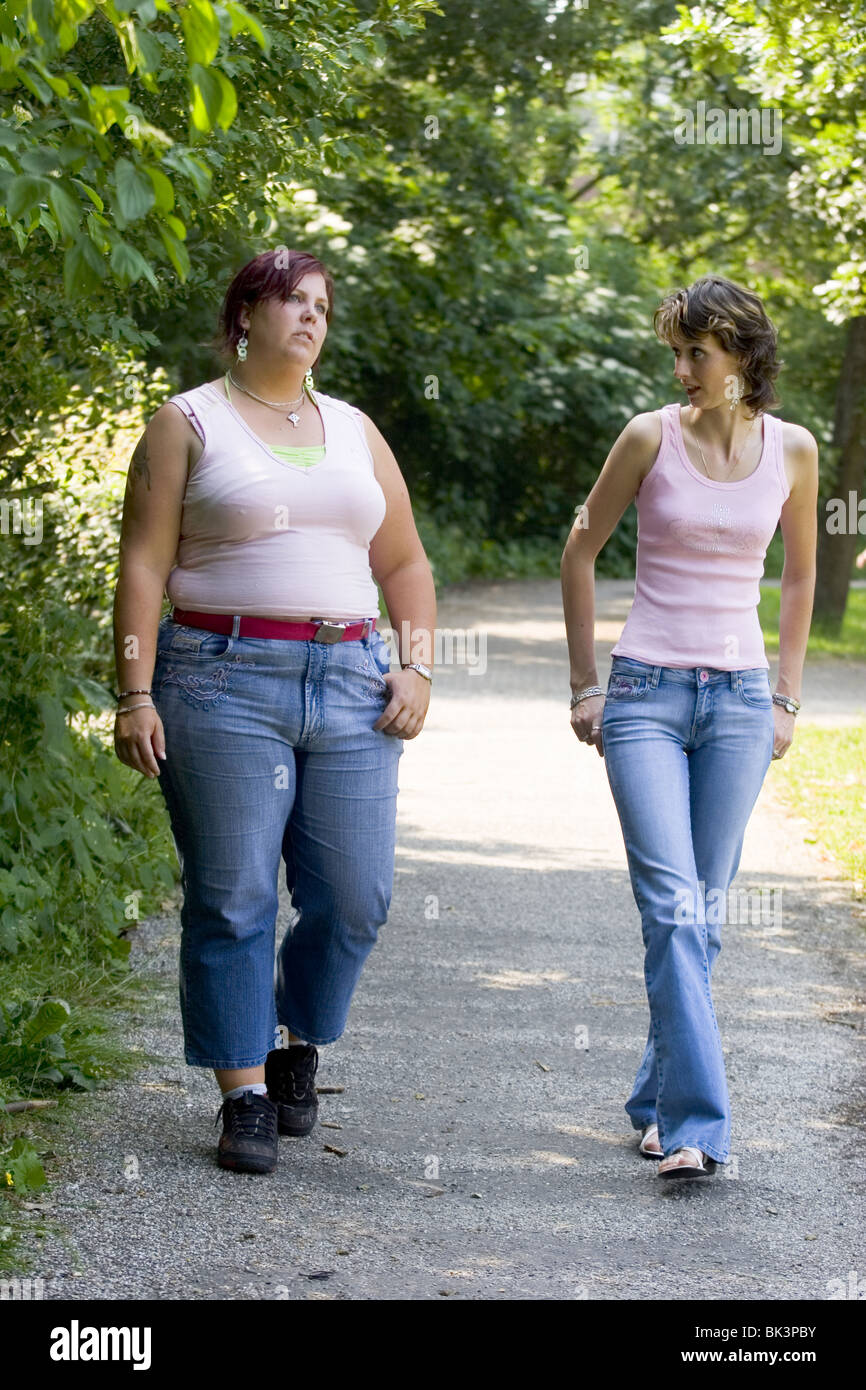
[329, 632]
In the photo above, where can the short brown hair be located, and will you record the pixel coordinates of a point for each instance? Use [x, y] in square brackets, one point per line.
[272, 275]
[738, 319]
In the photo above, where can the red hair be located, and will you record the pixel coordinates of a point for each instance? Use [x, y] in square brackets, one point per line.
[272, 275]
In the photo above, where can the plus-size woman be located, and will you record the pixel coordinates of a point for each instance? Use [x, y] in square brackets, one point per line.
[689, 725]
[267, 511]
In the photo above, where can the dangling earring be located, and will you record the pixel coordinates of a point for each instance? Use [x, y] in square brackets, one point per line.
[737, 396]
[308, 379]
[242, 347]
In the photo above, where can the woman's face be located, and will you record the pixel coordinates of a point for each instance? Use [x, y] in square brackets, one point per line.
[295, 328]
[705, 370]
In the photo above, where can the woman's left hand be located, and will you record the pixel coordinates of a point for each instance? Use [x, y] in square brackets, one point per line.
[404, 715]
[784, 731]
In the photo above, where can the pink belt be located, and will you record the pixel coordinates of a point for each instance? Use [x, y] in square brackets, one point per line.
[316, 631]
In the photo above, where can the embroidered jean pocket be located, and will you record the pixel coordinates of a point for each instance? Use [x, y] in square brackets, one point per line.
[204, 672]
[376, 663]
[625, 687]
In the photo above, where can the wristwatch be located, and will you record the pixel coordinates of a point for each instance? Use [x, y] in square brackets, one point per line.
[420, 668]
[787, 702]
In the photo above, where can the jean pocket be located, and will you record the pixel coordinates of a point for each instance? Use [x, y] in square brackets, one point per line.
[198, 643]
[380, 654]
[753, 688]
[622, 685]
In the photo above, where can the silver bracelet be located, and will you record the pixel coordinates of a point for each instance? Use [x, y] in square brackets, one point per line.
[145, 704]
[585, 694]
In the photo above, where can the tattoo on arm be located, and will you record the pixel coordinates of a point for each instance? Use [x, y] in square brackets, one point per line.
[140, 463]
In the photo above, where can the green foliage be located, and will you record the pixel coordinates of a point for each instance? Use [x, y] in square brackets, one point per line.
[20, 1168]
[68, 851]
[33, 1047]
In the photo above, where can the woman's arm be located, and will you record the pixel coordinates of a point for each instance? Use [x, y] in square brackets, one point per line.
[625, 467]
[148, 544]
[799, 523]
[399, 564]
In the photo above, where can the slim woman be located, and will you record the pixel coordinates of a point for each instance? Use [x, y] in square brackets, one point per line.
[689, 724]
[264, 702]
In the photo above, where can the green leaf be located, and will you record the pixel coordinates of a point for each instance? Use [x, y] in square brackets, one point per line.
[162, 187]
[151, 49]
[91, 193]
[83, 268]
[23, 1167]
[243, 21]
[129, 265]
[48, 1019]
[177, 252]
[66, 209]
[207, 98]
[24, 194]
[229, 100]
[34, 84]
[201, 31]
[195, 169]
[135, 194]
[42, 159]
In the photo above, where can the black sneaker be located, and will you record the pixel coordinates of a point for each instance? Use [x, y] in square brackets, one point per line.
[290, 1076]
[249, 1142]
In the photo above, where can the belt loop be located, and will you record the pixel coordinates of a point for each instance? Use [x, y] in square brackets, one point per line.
[654, 680]
[236, 626]
[735, 678]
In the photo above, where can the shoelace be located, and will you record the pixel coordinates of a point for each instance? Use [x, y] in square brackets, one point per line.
[247, 1119]
[296, 1081]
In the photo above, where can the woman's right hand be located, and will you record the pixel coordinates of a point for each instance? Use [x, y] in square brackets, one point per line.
[586, 721]
[139, 739]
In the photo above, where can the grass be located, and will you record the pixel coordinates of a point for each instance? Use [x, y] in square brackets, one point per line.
[823, 778]
[849, 642]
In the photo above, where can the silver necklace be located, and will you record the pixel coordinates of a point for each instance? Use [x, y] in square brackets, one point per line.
[275, 405]
[733, 466]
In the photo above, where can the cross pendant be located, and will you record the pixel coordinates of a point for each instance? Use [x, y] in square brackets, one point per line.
[294, 419]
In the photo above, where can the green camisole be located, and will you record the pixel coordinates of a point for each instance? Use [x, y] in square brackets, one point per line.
[301, 455]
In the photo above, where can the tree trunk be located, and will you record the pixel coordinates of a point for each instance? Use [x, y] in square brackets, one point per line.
[837, 549]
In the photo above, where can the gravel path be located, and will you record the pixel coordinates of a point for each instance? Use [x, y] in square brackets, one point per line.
[491, 1045]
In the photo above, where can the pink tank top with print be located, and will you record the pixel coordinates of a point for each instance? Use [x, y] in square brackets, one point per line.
[700, 557]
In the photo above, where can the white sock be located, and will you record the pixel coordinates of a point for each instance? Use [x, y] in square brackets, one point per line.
[257, 1087]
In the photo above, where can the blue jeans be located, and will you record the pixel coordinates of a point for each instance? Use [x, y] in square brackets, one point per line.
[270, 751]
[686, 752]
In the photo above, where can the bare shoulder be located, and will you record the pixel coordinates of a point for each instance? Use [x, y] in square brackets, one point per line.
[800, 452]
[798, 441]
[646, 428]
[641, 439]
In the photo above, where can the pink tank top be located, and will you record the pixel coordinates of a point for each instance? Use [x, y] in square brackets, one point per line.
[260, 535]
[700, 557]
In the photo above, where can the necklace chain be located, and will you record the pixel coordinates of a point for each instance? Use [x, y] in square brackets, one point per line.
[275, 405]
[733, 466]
